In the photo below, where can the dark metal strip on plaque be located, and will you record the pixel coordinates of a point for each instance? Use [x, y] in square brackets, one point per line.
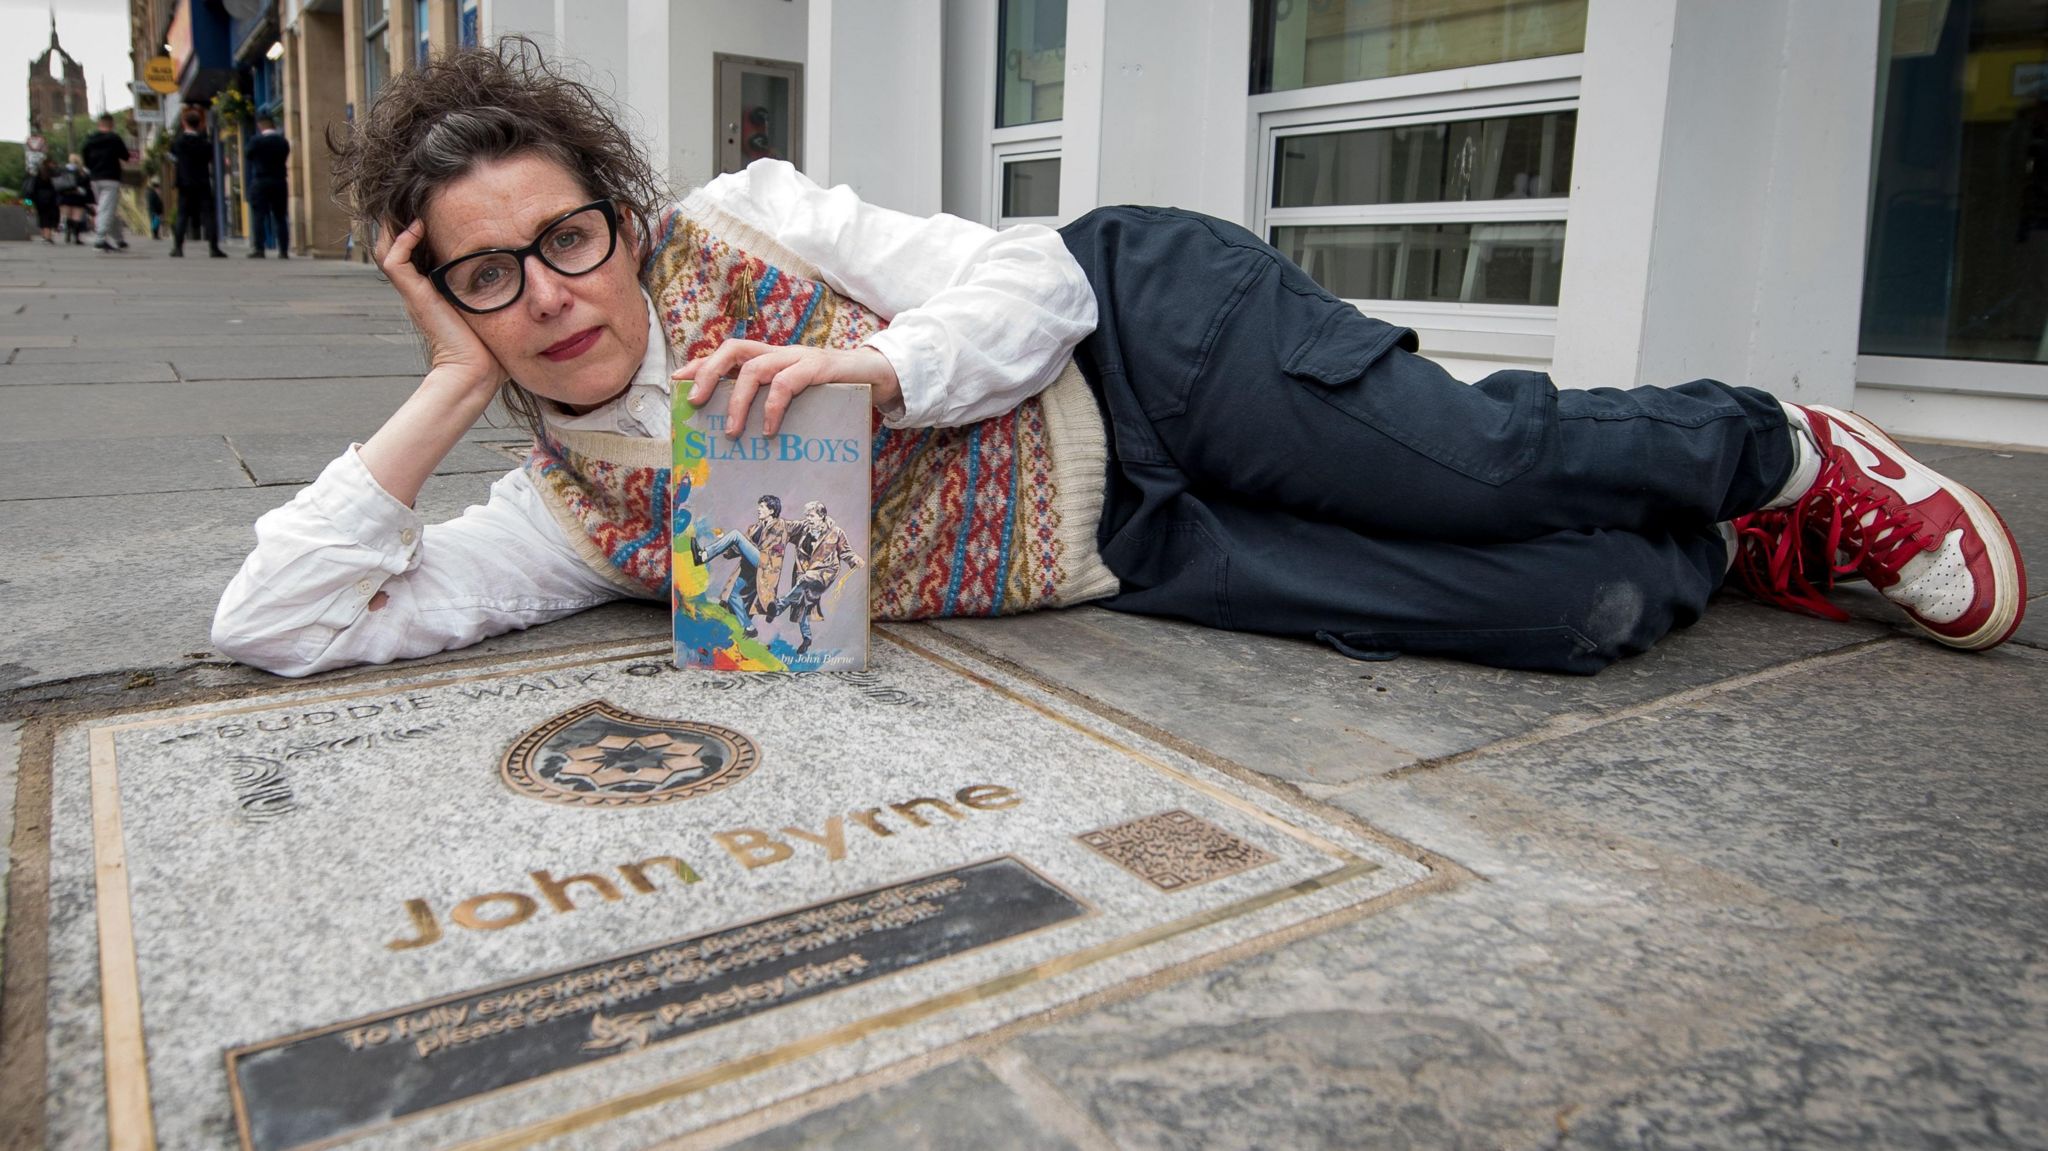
[340, 1080]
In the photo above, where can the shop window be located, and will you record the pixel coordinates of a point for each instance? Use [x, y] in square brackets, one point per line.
[470, 33]
[422, 43]
[1031, 45]
[1415, 157]
[1307, 43]
[1467, 210]
[1957, 265]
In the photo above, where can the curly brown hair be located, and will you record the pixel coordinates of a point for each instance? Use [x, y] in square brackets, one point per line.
[433, 123]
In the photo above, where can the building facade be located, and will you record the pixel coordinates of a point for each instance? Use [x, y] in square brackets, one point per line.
[56, 89]
[1843, 201]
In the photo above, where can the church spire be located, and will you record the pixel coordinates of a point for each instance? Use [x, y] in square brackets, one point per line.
[53, 26]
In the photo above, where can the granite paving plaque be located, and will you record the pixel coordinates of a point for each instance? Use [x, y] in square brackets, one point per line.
[604, 902]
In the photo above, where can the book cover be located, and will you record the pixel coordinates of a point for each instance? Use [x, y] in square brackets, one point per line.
[770, 534]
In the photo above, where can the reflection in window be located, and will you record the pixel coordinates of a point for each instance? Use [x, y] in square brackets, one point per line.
[1958, 257]
[1498, 158]
[1031, 43]
[471, 19]
[1031, 188]
[1303, 43]
[1490, 263]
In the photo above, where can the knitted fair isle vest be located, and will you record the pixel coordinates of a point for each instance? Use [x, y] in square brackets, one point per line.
[990, 518]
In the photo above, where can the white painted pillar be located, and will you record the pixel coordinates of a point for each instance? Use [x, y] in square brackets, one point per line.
[873, 110]
[1719, 191]
[1081, 115]
[596, 34]
[646, 91]
[1174, 114]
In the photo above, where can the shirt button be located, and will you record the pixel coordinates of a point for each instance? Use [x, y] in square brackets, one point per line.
[639, 405]
[364, 586]
[405, 536]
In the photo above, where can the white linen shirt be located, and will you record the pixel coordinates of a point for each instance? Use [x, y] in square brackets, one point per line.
[979, 322]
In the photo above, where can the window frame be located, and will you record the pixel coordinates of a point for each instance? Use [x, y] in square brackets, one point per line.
[1014, 151]
[1515, 87]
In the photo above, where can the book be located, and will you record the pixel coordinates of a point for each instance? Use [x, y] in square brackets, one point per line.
[770, 534]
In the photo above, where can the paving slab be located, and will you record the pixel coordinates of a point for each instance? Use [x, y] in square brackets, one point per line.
[124, 346]
[105, 583]
[958, 1105]
[1756, 918]
[311, 361]
[89, 372]
[298, 459]
[62, 469]
[1304, 713]
[832, 897]
[351, 408]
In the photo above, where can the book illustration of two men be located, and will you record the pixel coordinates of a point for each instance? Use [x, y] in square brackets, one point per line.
[822, 553]
[761, 581]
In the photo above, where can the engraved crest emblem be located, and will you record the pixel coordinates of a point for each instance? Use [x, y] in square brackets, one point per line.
[598, 755]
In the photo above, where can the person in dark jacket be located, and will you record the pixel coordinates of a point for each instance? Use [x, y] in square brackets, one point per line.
[192, 154]
[105, 151]
[42, 191]
[74, 199]
[266, 164]
[155, 200]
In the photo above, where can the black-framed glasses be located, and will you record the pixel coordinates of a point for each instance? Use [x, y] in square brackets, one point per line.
[576, 242]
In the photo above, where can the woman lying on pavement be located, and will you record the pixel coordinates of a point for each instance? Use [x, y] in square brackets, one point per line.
[1148, 407]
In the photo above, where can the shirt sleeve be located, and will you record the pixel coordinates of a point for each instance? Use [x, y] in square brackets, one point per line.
[979, 320]
[301, 602]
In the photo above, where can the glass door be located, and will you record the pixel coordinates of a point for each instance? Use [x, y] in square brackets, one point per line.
[759, 111]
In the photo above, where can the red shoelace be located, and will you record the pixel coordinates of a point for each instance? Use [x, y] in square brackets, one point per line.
[1792, 557]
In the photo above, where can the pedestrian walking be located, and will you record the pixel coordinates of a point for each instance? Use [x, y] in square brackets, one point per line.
[1149, 407]
[266, 170]
[105, 152]
[74, 199]
[155, 198]
[42, 191]
[192, 159]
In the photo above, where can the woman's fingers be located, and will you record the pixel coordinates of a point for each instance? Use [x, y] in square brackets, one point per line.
[776, 374]
[759, 370]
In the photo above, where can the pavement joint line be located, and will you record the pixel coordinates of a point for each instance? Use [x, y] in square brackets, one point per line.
[1578, 723]
[1045, 1102]
[243, 463]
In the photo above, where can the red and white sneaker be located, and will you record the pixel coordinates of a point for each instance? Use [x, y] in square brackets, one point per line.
[1925, 542]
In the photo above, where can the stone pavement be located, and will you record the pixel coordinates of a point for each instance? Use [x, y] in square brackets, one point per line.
[1779, 882]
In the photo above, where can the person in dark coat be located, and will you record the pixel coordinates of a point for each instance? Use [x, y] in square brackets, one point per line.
[266, 161]
[42, 191]
[192, 153]
[156, 212]
[74, 199]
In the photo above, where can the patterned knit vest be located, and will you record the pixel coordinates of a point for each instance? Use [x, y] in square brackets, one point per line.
[989, 518]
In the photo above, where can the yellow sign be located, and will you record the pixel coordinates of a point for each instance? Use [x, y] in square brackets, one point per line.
[161, 74]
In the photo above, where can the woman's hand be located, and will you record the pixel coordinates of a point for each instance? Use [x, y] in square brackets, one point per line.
[454, 352]
[462, 377]
[785, 371]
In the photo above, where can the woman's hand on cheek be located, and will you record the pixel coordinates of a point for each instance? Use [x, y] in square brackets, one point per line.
[780, 373]
[454, 351]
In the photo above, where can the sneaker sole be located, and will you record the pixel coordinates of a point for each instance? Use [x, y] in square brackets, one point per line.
[2007, 570]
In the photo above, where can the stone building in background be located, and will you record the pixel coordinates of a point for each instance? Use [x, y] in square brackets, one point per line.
[56, 88]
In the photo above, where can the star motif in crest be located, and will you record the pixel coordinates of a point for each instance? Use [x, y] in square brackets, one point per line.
[654, 758]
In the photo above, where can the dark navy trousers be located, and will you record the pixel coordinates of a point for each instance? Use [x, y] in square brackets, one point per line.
[1282, 463]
